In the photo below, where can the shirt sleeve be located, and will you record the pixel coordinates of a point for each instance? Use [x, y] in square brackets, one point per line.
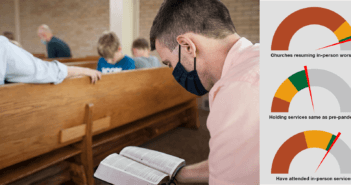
[24, 67]
[3, 60]
[234, 127]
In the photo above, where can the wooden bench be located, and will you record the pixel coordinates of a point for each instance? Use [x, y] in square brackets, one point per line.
[87, 64]
[67, 60]
[39, 55]
[50, 134]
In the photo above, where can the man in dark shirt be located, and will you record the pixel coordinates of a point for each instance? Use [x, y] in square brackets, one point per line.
[55, 47]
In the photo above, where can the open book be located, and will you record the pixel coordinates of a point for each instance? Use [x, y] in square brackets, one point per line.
[135, 165]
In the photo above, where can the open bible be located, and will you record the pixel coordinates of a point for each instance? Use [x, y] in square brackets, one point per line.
[135, 165]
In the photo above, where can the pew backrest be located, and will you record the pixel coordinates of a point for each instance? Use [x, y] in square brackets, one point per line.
[36, 118]
[39, 55]
[67, 60]
[87, 64]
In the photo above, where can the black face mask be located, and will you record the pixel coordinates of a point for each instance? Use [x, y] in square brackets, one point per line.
[189, 80]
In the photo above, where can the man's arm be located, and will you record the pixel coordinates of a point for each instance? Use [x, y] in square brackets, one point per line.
[196, 173]
[234, 127]
[3, 60]
[24, 67]
[234, 148]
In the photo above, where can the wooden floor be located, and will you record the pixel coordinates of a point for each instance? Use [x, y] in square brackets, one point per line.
[191, 145]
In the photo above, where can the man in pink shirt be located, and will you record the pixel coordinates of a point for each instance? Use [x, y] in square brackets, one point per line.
[198, 39]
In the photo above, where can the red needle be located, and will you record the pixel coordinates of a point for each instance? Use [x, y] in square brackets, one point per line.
[309, 86]
[337, 137]
[335, 44]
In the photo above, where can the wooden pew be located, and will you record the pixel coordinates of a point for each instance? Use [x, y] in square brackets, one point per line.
[87, 64]
[67, 60]
[39, 55]
[62, 131]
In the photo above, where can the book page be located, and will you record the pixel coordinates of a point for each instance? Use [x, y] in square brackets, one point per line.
[117, 169]
[158, 160]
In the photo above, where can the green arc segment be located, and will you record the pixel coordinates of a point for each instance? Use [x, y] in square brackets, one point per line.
[330, 142]
[318, 78]
[299, 80]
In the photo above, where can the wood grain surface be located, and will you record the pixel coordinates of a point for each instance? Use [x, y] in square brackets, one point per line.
[32, 115]
[67, 60]
[87, 64]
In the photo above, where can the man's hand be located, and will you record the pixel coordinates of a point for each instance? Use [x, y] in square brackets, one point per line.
[94, 75]
[79, 71]
[196, 173]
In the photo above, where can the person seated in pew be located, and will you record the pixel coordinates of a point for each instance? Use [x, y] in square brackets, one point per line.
[112, 58]
[56, 48]
[142, 57]
[18, 65]
[197, 38]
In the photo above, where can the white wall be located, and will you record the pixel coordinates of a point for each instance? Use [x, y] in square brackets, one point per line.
[124, 22]
[17, 21]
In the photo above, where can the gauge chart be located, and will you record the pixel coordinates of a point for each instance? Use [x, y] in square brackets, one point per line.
[312, 139]
[310, 78]
[312, 16]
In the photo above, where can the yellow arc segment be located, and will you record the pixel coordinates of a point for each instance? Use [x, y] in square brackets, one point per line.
[286, 91]
[317, 139]
[343, 31]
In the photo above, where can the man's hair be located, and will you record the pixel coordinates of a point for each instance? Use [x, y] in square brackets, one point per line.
[140, 43]
[176, 17]
[44, 28]
[9, 35]
[108, 44]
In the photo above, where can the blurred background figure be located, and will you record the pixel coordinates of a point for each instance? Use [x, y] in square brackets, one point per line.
[56, 48]
[11, 38]
[142, 57]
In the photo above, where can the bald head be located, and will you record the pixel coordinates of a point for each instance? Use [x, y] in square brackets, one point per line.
[44, 32]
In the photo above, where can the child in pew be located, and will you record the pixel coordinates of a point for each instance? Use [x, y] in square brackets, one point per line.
[112, 58]
[141, 53]
[18, 65]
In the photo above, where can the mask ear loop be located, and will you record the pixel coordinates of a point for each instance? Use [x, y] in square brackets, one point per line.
[194, 58]
[179, 52]
[195, 64]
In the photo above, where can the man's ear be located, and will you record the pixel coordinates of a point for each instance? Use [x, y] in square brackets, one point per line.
[186, 42]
